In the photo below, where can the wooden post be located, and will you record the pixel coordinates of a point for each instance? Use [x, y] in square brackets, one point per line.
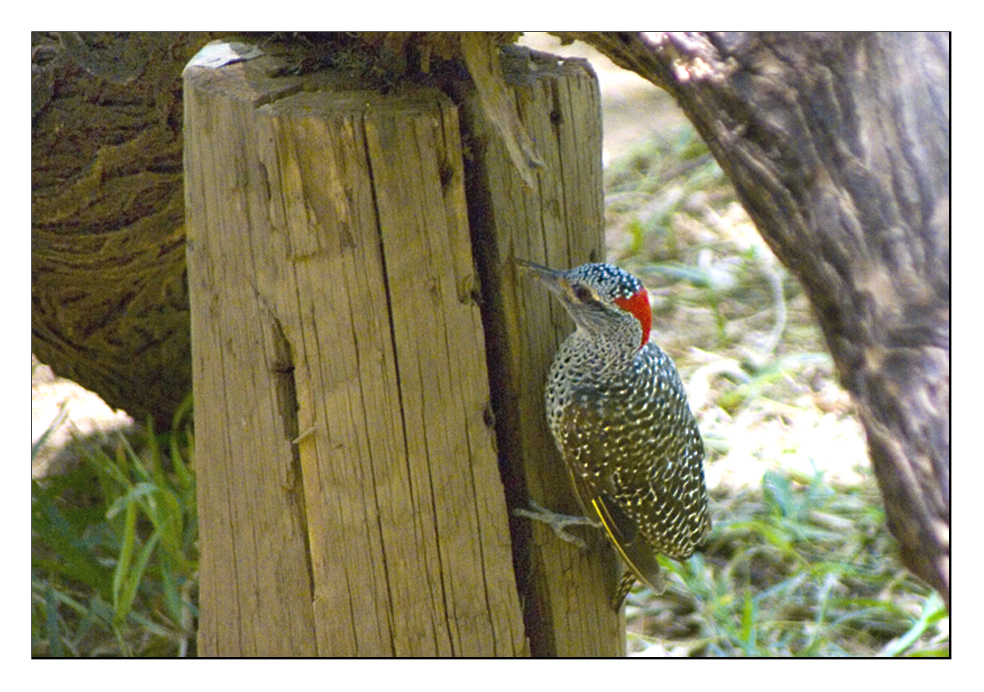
[559, 223]
[350, 498]
[350, 501]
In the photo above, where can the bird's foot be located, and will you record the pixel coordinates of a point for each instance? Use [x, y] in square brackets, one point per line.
[558, 522]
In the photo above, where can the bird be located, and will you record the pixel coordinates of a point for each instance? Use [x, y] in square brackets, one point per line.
[619, 415]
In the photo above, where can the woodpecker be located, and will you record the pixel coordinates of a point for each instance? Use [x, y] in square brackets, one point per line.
[619, 415]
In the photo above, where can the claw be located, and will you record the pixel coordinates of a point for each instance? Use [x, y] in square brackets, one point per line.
[558, 522]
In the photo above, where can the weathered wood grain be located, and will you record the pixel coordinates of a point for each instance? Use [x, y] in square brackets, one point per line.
[351, 502]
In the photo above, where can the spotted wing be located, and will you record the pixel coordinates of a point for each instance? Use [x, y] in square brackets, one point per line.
[637, 460]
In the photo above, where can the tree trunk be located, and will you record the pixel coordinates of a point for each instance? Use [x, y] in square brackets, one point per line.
[838, 146]
[109, 305]
[350, 497]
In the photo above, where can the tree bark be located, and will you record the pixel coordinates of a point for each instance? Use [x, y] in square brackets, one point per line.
[109, 305]
[838, 146]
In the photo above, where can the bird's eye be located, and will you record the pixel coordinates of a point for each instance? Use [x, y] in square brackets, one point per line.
[583, 293]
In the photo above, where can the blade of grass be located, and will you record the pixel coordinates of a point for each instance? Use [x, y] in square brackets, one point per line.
[126, 555]
[52, 625]
[932, 611]
[131, 581]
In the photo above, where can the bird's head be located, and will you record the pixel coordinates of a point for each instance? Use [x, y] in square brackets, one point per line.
[604, 300]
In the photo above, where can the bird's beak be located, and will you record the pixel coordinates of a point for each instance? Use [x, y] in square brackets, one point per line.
[555, 281]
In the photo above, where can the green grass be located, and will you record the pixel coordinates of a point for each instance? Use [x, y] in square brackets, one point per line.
[114, 550]
[799, 568]
[800, 562]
